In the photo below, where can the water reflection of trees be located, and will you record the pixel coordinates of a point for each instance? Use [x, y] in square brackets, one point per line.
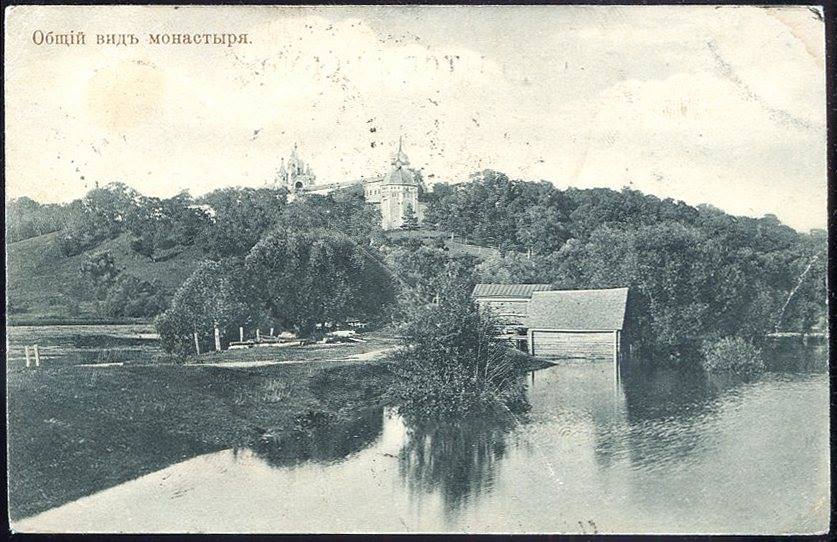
[457, 460]
[667, 416]
[669, 413]
[792, 355]
[322, 442]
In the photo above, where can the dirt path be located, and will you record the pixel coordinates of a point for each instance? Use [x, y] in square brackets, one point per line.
[365, 356]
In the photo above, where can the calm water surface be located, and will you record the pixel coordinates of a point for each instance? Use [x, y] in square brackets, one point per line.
[81, 344]
[655, 452]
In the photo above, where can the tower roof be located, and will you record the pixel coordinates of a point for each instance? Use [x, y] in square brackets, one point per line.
[400, 174]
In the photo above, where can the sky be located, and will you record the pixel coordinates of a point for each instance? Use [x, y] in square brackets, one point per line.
[718, 105]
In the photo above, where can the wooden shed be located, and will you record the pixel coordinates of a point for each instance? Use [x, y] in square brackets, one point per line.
[577, 324]
[508, 302]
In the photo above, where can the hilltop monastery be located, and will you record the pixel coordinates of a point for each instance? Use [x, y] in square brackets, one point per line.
[396, 193]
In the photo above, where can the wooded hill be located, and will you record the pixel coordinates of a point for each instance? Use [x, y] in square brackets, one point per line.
[697, 271]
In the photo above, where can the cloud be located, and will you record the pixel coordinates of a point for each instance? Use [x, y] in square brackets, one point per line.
[698, 103]
[698, 138]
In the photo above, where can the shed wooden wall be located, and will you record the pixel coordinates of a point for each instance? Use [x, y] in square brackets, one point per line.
[507, 311]
[589, 345]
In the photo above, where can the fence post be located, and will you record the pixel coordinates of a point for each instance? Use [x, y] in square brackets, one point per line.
[241, 334]
[28, 362]
[37, 356]
[197, 344]
[217, 339]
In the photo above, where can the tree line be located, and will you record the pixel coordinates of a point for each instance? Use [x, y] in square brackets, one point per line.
[695, 273]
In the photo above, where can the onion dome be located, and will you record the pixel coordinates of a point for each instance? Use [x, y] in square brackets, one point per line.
[400, 174]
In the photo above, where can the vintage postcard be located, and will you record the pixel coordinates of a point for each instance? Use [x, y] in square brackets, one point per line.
[416, 269]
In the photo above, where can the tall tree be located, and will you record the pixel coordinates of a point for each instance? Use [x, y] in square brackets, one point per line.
[316, 277]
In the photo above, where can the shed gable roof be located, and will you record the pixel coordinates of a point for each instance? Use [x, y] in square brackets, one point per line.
[523, 291]
[578, 310]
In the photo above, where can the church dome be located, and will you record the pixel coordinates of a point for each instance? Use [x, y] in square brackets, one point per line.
[400, 174]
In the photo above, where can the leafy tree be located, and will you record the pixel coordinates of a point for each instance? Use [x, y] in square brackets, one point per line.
[316, 277]
[97, 274]
[516, 268]
[26, 218]
[241, 217]
[410, 219]
[344, 211]
[424, 271]
[541, 230]
[102, 214]
[216, 294]
[162, 224]
[131, 296]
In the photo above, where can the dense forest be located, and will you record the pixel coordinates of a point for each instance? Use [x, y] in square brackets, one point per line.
[695, 273]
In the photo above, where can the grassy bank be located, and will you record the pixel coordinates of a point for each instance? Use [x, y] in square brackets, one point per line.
[74, 431]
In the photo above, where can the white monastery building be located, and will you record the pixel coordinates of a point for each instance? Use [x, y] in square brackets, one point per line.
[396, 193]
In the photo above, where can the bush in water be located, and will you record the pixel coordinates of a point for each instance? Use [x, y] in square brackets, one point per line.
[732, 355]
[451, 365]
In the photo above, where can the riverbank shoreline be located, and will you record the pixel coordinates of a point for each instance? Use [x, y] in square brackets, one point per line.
[74, 431]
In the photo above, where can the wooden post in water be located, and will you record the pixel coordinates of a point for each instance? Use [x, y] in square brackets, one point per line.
[197, 344]
[258, 335]
[37, 356]
[28, 362]
[271, 332]
[241, 334]
[217, 339]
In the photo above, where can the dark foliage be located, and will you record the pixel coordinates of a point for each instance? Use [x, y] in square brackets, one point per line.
[103, 214]
[241, 217]
[695, 272]
[451, 365]
[133, 297]
[217, 294]
[26, 218]
[319, 276]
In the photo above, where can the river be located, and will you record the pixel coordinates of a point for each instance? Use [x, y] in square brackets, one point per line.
[651, 452]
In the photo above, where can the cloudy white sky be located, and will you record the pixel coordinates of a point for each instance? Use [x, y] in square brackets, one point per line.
[709, 105]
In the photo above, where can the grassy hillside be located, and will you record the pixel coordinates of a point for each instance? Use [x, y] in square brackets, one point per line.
[456, 246]
[40, 280]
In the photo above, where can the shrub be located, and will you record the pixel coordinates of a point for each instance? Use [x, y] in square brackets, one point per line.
[131, 296]
[451, 365]
[732, 355]
[143, 245]
[74, 240]
[97, 273]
